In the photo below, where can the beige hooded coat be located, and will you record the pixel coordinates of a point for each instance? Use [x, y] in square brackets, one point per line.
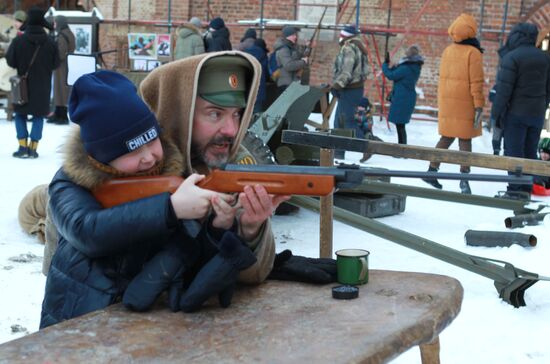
[171, 91]
[460, 88]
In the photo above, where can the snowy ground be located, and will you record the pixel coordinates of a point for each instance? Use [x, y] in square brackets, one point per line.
[486, 330]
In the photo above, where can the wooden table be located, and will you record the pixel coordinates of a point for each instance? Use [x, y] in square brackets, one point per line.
[277, 322]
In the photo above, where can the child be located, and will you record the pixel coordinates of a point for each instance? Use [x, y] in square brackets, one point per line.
[363, 118]
[541, 184]
[101, 250]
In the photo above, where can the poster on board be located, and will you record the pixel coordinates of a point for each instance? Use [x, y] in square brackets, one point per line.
[163, 45]
[83, 38]
[142, 46]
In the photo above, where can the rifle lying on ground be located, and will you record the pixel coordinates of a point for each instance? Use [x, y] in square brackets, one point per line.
[277, 179]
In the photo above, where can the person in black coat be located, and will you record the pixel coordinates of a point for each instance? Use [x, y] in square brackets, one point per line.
[523, 94]
[19, 56]
[217, 37]
[101, 250]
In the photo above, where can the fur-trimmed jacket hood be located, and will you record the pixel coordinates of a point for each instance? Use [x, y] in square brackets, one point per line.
[171, 90]
[85, 172]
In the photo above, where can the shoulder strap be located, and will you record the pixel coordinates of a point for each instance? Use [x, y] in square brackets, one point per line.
[32, 60]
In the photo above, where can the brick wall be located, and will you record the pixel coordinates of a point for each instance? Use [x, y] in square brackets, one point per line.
[429, 32]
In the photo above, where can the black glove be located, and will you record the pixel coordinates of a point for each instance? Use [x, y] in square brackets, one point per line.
[288, 267]
[387, 58]
[164, 271]
[219, 275]
[477, 117]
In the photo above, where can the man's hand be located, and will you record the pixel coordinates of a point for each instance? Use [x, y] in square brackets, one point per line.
[257, 207]
[387, 58]
[225, 213]
[477, 118]
[192, 202]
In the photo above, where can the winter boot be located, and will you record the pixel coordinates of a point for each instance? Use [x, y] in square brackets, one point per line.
[465, 187]
[32, 149]
[219, 275]
[61, 115]
[432, 180]
[23, 151]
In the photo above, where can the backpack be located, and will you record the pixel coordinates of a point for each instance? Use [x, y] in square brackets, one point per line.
[273, 67]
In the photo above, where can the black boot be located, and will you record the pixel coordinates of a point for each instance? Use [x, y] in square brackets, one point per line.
[32, 149]
[219, 275]
[23, 151]
[465, 187]
[432, 181]
[61, 115]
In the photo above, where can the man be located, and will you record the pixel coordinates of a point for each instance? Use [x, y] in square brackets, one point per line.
[460, 93]
[189, 39]
[290, 57]
[523, 95]
[36, 53]
[349, 73]
[209, 123]
[217, 38]
[65, 40]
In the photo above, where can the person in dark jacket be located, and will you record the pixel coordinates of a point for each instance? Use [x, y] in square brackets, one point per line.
[291, 58]
[19, 56]
[257, 48]
[523, 94]
[403, 95]
[65, 45]
[100, 250]
[217, 38]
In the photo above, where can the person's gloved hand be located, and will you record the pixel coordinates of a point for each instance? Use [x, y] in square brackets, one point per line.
[477, 118]
[387, 58]
[289, 267]
[219, 275]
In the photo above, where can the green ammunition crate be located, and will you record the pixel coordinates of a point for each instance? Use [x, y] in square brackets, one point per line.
[371, 205]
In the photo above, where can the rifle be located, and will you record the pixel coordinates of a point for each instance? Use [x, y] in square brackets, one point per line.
[277, 179]
[308, 52]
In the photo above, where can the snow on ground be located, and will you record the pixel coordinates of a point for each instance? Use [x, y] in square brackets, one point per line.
[486, 330]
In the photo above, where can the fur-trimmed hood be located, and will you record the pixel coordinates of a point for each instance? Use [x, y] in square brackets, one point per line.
[83, 172]
[171, 91]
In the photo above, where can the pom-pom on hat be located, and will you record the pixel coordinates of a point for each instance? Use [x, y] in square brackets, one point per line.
[217, 23]
[348, 31]
[113, 119]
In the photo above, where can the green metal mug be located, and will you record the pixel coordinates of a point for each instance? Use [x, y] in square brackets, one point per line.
[352, 266]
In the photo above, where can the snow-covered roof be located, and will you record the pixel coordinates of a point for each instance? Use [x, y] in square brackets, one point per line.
[95, 13]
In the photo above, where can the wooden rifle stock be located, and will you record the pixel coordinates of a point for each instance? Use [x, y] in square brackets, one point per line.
[122, 190]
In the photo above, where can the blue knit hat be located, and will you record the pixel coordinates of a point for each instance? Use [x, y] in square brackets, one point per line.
[217, 23]
[113, 119]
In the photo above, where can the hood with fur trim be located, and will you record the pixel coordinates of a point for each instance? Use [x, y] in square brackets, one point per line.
[171, 91]
[83, 172]
[462, 28]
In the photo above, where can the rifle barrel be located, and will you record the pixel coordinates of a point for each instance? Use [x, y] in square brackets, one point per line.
[353, 173]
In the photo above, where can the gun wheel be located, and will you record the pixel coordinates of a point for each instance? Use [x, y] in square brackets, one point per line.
[259, 151]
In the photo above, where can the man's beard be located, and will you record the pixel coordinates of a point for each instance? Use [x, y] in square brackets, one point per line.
[213, 160]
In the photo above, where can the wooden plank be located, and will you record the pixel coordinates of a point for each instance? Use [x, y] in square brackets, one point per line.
[528, 166]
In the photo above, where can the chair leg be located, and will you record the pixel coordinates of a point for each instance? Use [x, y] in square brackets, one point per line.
[429, 352]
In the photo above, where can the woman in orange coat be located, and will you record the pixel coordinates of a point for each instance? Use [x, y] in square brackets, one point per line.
[460, 92]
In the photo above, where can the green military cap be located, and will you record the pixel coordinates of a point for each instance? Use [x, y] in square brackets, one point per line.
[224, 80]
[20, 15]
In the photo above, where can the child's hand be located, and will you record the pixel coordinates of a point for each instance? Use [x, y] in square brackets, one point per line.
[225, 213]
[192, 202]
[258, 206]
